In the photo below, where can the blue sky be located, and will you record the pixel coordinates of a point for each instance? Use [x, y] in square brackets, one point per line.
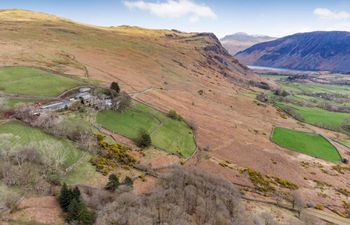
[268, 17]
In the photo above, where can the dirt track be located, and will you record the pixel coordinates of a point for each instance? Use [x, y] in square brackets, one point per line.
[329, 217]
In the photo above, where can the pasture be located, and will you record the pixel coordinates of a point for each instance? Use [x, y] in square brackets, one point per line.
[62, 152]
[322, 105]
[170, 135]
[307, 143]
[33, 82]
[318, 117]
[297, 88]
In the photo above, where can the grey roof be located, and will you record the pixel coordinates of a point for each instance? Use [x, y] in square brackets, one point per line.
[84, 89]
[57, 105]
[84, 95]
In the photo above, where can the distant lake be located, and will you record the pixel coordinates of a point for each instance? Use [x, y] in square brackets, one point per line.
[277, 69]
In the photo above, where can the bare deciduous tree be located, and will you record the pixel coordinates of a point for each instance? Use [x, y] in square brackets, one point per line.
[121, 102]
[184, 196]
[298, 201]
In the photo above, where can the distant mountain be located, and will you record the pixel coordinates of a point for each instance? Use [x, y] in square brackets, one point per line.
[319, 50]
[241, 41]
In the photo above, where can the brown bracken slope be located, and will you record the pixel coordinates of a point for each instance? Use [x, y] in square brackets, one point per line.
[167, 69]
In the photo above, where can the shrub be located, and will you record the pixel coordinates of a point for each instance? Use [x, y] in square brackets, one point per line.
[173, 115]
[319, 206]
[262, 85]
[142, 177]
[286, 184]
[340, 169]
[259, 181]
[344, 192]
[143, 140]
[262, 97]
[280, 92]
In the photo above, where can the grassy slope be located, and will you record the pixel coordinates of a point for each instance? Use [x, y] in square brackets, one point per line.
[307, 143]
[25, 136]
[71, 47]
[171, 135]
[33, 82]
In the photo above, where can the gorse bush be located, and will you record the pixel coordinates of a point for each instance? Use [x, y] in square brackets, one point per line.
[266, 183]
[110, 156]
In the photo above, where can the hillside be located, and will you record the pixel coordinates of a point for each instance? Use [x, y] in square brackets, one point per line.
[326, 51]
[240, 41]
[155, 52]
[192, 74]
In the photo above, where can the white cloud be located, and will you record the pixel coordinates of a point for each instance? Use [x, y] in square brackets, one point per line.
[325, 13]
[174, 9]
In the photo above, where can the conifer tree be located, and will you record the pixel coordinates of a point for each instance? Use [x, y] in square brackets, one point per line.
[113, 182]
[128, 181]
[76, 194]
[115, 86]
[74, 210]
[79, 214]
[65, 197]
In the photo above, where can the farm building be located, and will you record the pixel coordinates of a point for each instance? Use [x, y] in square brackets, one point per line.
[57, 105]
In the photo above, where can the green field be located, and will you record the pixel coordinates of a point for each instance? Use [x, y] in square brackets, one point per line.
[297, 88]
[33, 82]
[50, 148]
[307, 143]
[170, 135]
[317, 104]
[319, 117]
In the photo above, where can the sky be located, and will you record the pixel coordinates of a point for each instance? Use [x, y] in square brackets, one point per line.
[264, 17]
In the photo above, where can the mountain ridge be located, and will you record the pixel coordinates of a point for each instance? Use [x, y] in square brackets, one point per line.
[239, 41]
[319, 50]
